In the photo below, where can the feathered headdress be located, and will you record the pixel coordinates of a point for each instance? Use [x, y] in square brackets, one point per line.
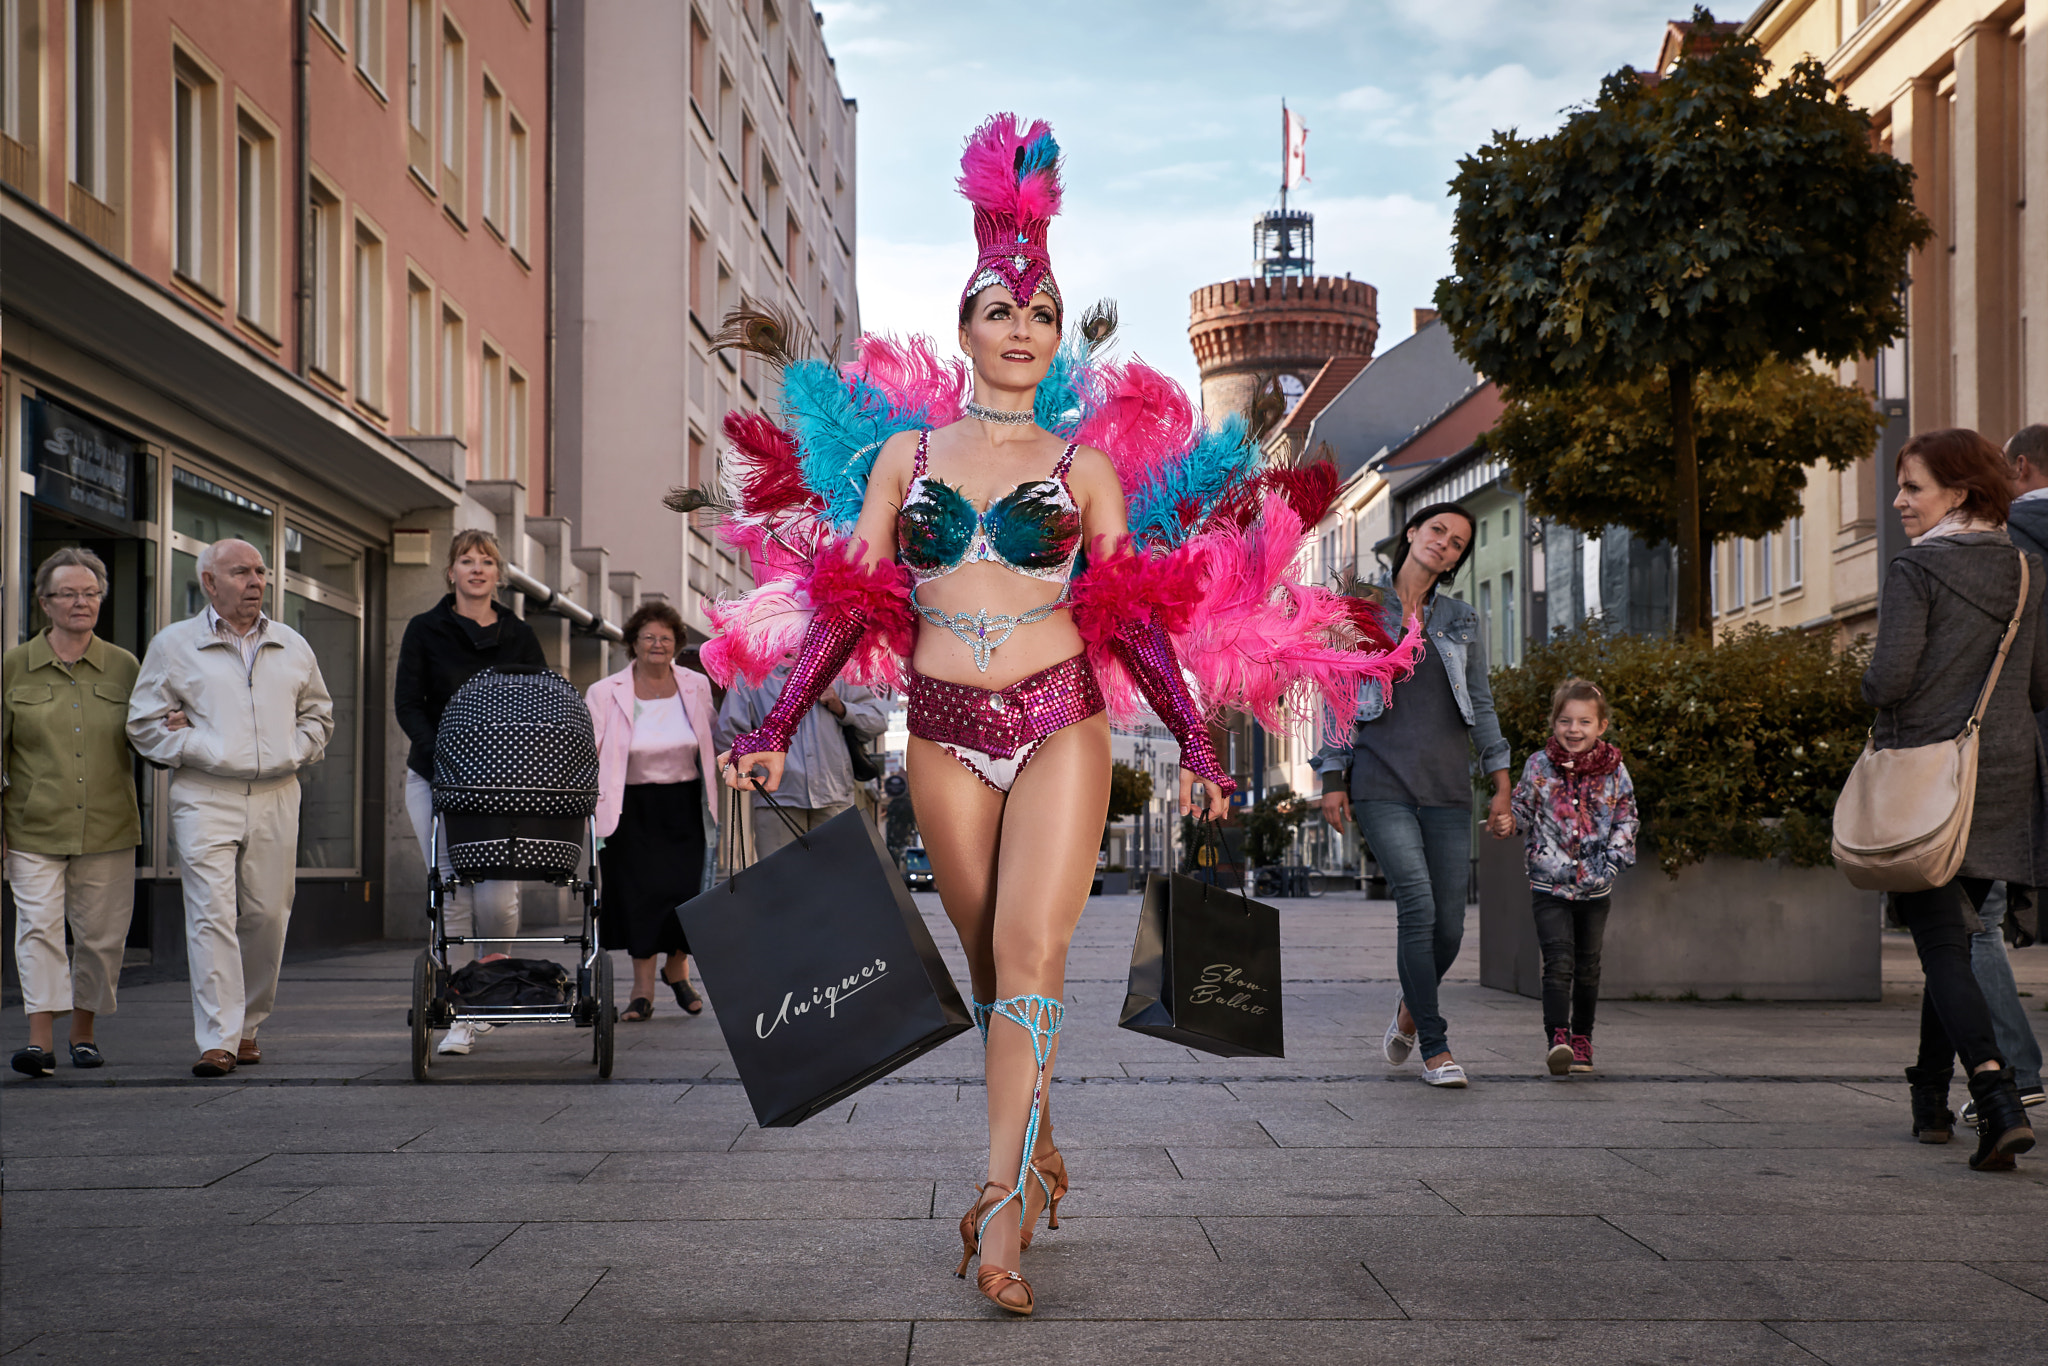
[1011, 174]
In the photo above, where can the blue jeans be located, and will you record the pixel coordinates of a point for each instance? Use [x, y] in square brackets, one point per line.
[1426, 853]
[2017, 1047]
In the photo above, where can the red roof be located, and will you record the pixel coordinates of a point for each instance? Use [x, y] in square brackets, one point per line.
[1329, 382]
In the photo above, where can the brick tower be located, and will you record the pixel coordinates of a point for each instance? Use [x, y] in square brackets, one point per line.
[1248, 333]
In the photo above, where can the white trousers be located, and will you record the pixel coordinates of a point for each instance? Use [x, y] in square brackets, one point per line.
[487, 908]
[238, 849]
[95, 894]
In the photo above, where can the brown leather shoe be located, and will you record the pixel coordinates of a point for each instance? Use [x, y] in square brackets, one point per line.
[248, 1055]
[214, 1062]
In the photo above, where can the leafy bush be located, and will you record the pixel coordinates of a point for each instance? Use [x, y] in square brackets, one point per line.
[1736, 748]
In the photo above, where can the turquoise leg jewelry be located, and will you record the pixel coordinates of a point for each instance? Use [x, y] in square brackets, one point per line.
[1040, 1017]
[983, 1011]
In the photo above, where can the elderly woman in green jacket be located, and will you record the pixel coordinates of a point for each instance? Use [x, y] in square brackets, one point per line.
[69, 813]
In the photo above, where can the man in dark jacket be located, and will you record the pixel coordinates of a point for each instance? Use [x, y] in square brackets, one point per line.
[2026, 459]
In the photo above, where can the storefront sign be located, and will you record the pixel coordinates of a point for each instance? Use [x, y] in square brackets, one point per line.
[83, 467]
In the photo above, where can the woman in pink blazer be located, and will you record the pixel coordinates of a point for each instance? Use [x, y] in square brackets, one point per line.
[658, 828]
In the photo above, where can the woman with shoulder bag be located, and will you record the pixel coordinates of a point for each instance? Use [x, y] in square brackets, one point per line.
[1949, 600]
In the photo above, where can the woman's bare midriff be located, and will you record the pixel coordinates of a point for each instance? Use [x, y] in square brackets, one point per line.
[975, 587]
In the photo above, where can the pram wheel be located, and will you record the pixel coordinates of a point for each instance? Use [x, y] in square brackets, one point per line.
[607, 1025]
[423, 982]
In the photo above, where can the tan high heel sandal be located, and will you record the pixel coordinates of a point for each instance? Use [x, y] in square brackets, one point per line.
[1044, 1194]
[993, 1281]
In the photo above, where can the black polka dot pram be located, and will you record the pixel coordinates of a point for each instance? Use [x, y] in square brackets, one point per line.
[515, 776]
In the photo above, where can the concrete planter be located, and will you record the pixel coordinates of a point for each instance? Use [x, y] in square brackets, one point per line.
[1116, 884]
[1723, 927]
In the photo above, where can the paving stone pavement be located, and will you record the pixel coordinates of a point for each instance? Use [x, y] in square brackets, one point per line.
[1736, 1184]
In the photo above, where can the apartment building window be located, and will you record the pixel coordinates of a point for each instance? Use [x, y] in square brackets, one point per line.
[419, 88]
[726, 98]
[699, 266]
[1510, 652]
[256, 225]
[454, 363]
[793, 88]
[1764, 547]
[700, 64]
[327, 14]
[516, 423]
[792, 244]
[772, 210]
[327, 234]
[195, 196]
[89, 77]
[750, 168]
[493, 170]
[20, 87]
[1738, 555]
[454, 106]
[518, 180]
[1486, 614]
[491, 415]
[1713, 580]
[370, 42]
[419, 357]
[1795, 553]
[367, 317]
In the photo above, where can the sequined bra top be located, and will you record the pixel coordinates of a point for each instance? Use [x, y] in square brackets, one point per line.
[1035, 529]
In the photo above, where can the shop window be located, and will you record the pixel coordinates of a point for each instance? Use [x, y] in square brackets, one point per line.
[419, 357]
[256, 225]
[419, 89]
[370, 42]
[493, 168]
[327, 289]
[454, 364]
[20, 92]
[195, 178]
[454, 109]
[367, 318]
[518, 182]
[323, 602]
[202, 512]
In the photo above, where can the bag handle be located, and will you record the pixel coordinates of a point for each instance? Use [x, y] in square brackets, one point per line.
[738, 826]
[2004, 647]
[1209, 833]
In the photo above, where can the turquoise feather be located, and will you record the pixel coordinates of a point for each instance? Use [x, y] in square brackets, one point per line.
[840, 425]
[1195, 481]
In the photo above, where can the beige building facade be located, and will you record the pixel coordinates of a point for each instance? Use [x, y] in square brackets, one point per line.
[1958, 89]
[705, 155]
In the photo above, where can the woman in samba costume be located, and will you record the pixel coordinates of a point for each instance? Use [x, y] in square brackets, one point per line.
[921, 525]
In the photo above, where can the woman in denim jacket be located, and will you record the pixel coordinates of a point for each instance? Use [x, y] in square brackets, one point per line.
[1407, 776]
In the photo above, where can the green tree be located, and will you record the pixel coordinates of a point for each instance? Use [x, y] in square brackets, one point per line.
[1269, 826]
[1601, 455]
[1129, 789]
[1700, 223]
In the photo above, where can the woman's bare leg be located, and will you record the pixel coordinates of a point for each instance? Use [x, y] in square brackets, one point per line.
[960, 819]
[1045, 867]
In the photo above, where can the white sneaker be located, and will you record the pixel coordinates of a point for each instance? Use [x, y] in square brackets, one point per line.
[1396, 1046]
[460, 1038]
[1450, 1074]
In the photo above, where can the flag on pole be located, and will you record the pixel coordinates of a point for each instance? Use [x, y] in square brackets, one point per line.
[1294, 154]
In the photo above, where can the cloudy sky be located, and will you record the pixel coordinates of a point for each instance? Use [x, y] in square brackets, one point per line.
[1169, 112]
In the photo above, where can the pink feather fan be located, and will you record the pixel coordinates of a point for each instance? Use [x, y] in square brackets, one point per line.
[756, 632]
[912, 376]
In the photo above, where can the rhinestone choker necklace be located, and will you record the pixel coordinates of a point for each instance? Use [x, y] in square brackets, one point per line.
[1005, 417]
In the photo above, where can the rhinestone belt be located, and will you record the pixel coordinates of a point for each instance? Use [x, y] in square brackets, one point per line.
[985, 630]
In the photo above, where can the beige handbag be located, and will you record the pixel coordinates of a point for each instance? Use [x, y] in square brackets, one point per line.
[1903, 819]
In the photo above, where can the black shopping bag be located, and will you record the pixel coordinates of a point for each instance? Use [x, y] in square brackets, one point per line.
[821, 969]
[1205, 970]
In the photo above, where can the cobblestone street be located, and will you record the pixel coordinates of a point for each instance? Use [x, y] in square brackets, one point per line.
[1736, 1184]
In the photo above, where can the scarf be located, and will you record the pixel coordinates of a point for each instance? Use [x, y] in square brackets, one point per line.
[1581, 776]
[1955, 523]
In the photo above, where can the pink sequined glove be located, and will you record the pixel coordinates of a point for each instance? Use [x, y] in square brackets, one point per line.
[828, 644]
[1147, 654]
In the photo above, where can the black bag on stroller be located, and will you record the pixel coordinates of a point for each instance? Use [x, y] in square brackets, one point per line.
[515, 776]
[508, 982]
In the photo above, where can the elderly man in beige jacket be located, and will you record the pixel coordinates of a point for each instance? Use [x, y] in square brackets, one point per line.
[233, 704]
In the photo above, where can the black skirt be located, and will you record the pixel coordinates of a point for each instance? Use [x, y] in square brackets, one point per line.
[652, 863]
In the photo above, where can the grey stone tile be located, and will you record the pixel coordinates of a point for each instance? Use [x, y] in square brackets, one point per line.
[202, 1297]
[1320, 1343]
[2030, 1275]
[123, 1172]
[1916, 1344]
[618, 1202]
[305, 1249]
[623, 1338]
[67, 1210]
[945, 1165]
[1538, 1165]
[1818, 1235]
[1430, 1289]
[1271, 1199]
[1374, 1239]
[415, 1171]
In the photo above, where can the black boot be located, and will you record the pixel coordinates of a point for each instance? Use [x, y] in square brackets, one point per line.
[2002, 1129]
[1933, 1121]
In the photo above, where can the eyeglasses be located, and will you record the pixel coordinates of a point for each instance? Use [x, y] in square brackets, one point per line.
[655, 642]
[71, 597]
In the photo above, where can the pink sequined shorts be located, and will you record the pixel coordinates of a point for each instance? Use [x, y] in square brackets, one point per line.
[994, 733]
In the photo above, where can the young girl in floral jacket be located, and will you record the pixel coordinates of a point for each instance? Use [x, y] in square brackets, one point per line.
[1577, 808]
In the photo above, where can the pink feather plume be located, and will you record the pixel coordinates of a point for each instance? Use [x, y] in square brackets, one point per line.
[989, 175]
[757, 631]
[1171, 585]
[1139, 418]
[912, 375]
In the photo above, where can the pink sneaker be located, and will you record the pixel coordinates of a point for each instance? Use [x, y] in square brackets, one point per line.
[1559, 1058]
[1582, 1052]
